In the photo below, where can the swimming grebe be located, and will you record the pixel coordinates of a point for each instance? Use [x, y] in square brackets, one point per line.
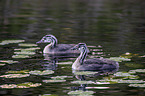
[91, 64]
[54, 48]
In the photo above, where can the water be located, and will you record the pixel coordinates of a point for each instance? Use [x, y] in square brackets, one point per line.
[117, 26]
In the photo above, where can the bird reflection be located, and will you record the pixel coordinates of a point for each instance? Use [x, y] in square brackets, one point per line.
[83, 87]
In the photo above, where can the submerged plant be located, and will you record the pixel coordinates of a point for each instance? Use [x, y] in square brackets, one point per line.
[38, 72]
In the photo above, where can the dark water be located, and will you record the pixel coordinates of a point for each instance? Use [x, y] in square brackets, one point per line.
[117, 25]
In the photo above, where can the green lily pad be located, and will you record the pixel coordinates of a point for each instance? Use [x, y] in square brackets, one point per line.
[137, 70]
[83, 82]
[64, 63]
[45, 72]
[119, 59]
[8, 61]
[125, 74]
[25, 53]
[22, 85]
[2, 64]
[27, 49]
[48, 95]
[19, 72]
[53, 81]
[59, 77]
[21, 56]
[134, 65]
[11, 41]
[128, 55]
[137, 85]
[15, 75]
[85, 73]
[27, 45]
[81, 93]
[97, 87]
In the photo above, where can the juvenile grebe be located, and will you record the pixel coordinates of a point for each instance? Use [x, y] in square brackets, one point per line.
[91, 64]
[54, 48]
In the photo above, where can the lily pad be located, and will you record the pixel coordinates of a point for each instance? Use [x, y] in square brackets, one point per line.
[53, 81]
[8, 61]
[27, 45]
[64, 63]
[2, 64]
[136, 85]
[45, 72]
[20, 56]
[25, 53]
[119, 59]
[82, 93]
[11, 41]
[15, 75]
[22, 85]
[19, 72]
[48, 95]
[85, 73]
[59, 77]
[27, 49]
[97, 87]
[83, 82]
[137, 70]
[125, 74]
[128, 55]
[134, 65]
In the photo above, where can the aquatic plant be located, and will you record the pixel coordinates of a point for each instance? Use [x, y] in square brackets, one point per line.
[81, 93]
[38, 72]
[59, 77]
[27, 45]
[133, 65]
[11, 41]
[2, 64]
[25, 53]
[22, 85]
[64, 63]
[137, 71]
[85, 73]
[137, 85]
[97, 87]
[125, 75]
[21, 56]
[18, 72]
[128, 55]
[53, 81]
[83, 82]
[8, 61]
[15, 75]
[119, 59]
[27, 49]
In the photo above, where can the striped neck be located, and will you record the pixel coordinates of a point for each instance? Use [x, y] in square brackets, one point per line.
[83, 55]
[53, 42]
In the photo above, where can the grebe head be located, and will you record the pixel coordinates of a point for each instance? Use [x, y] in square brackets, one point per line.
[81, 46]
[48, 39]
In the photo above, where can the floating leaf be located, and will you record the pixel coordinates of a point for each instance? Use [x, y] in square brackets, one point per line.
[53, 80]
[27, 49]
[137, 70]
[27, 45]
[48, 95]
[8, 61]
[2, 64]
[11, 41]
[64, 63]
[25, 53]
[124, 74]
[97, 87]
[20, 56]
[15, 75]
[19, 72]
[119, 59]
[59, 77]
[28, 85]
[128, 55]
[82, 82]
[134, 65]
[136, 85]
[82, 93]
[22, 85]
[45, 72]
[85, 73]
